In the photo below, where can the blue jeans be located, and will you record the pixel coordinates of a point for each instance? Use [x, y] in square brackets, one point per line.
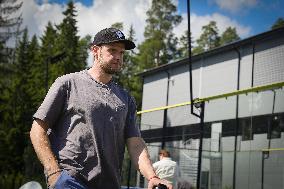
[65, 181]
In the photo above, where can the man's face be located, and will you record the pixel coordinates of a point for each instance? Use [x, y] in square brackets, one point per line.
[110, 57]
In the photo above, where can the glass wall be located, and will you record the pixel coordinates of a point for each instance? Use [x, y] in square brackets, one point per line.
[242, 144]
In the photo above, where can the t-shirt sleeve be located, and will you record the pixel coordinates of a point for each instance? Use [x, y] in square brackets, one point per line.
[51, 108]
[131, 128]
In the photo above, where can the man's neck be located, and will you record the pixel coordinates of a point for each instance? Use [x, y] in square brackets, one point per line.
[99, 75]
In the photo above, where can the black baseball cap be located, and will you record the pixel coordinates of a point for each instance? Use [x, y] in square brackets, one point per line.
[110, 35]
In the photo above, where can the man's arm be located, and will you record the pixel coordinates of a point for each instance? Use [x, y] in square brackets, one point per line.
[41, 144]
[140, 157]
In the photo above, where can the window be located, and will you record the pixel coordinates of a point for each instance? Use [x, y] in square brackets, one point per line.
[246, 127]
[274, 127]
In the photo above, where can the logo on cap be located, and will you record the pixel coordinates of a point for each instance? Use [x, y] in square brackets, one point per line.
[119, 34]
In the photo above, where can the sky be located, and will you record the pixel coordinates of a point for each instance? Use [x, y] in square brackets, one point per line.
[249, 17]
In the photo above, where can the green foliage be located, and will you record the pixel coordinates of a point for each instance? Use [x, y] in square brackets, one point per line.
[126, 167]
[117, 25]
[68, 42]
[159, 46]
[12, 180]
[209, 38]
[23, 89]
[228, 36]
[9, 28]
[47, 50]
[278, 23]
[183, 41]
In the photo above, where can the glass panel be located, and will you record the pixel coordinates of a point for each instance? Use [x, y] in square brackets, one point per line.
[241, 150]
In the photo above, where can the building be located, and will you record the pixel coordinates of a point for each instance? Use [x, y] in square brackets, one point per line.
[243, 139]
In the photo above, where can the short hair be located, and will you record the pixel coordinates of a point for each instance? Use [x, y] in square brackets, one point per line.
[164, 153]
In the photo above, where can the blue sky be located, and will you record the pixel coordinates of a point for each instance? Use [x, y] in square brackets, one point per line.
[249, 17]
[259, 15]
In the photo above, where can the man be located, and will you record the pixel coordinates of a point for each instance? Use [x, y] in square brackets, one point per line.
[80, 130]
[166, 168]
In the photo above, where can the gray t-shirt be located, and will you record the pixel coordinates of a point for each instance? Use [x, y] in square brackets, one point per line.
[90, 123]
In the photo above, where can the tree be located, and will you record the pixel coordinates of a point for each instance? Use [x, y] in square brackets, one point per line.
[10, 137]
[278, 23]
[117, 25]
[159, 45]
[183, 41]
[68, 42]
[209, 38]
[10, 23]
[47, 50]
[229, 35]
[17, 117]
[35, 81]
[9, 27]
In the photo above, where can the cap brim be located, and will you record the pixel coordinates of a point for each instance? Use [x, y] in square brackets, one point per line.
[127, 43]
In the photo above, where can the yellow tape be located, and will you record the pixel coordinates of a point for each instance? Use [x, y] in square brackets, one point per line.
[272, 149]
[225, 95]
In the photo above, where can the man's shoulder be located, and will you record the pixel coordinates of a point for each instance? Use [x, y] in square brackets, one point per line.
[70, 76]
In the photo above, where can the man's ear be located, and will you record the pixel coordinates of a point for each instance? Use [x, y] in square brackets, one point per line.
[94, 48]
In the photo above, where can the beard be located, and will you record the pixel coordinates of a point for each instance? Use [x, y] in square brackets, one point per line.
[106, 67]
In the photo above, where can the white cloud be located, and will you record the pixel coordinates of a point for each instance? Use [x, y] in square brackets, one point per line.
[197, 21]
[235, 5]
[100, 15]
[36, 17]
[91, 19]
[103, 13]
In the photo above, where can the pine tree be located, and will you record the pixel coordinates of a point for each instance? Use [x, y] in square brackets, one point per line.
[209, 38]
[158, 47]
[35, 81]
[117, 25]
[47, 72]
[17, 113]
[228, 36]
[36, 92]
[68, 43]
[10, 22]
[183, 42]
[23, 68]
[278, 23]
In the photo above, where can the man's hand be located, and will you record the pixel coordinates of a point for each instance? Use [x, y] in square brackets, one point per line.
[155, 181]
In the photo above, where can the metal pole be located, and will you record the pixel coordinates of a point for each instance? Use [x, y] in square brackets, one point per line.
[129, 174]
[190, 61]
[265, 155]
[192, 104]
[165, 120]
[237, 120]
[202, 109]
[46, 75]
